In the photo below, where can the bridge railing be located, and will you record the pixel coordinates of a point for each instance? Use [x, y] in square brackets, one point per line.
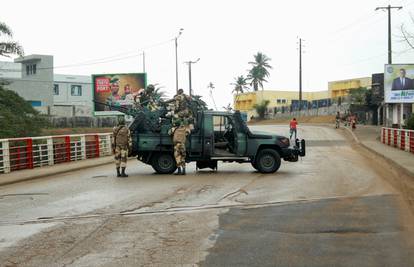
[399, 138]
[32, 152]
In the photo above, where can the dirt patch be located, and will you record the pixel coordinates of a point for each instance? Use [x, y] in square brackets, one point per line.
[307, 119]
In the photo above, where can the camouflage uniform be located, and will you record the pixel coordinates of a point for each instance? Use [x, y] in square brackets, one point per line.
[179, 139]
[120, 146]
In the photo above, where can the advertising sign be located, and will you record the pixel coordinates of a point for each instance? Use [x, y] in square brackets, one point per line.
[117, 90]
[399, 83]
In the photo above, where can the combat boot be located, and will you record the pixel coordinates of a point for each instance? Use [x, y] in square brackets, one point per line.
[178, 171]
[118, 173]
[123, 174]
[183, 171]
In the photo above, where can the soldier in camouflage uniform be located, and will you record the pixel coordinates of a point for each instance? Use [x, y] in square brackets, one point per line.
[181, 128]
[147, 98]
[121, 143]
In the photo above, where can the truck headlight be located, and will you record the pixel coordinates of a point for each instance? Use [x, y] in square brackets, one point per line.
[284, 141]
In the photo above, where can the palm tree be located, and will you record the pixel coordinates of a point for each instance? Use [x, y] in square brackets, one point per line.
[240, 85]
[259, 71]
[8, 47]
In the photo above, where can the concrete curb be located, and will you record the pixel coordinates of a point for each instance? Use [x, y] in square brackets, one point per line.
[42, 172]
[390, 160]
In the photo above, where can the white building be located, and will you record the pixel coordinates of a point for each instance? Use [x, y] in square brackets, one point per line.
[33, 78]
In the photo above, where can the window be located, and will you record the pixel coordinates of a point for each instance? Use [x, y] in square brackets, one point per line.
[75, 90]
[284, 101]
[56, 89]
[31, 69]
[279, 101]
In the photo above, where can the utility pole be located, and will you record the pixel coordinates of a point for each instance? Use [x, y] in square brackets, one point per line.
[176, 59]
[190, 90]
[300, 73]
[389, 7]
[143, 61]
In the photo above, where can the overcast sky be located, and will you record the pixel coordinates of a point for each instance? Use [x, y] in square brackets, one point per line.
[343, 39]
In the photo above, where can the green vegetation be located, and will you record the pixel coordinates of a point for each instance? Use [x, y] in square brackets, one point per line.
[8, 47]
[409, 123]
[240, 85]
[259, 72]
[359, 96]
[261, 108]
[17, 117]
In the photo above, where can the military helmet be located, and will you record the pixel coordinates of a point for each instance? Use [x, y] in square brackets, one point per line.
[180, 91]
[121, 121]
[150, 87]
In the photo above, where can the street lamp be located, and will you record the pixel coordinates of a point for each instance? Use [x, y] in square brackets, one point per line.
[176, 59]
[190, 90]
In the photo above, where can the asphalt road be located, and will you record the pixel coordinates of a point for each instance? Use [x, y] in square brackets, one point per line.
[332, 208]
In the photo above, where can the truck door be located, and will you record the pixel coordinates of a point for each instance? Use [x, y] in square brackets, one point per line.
[208, 135]
[240, 142]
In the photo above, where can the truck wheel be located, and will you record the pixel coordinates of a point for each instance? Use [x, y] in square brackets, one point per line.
[267, 161]
[163, 163]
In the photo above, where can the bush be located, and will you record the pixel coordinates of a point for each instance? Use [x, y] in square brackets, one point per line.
[261, 108]
[409, 123]
[17, 117]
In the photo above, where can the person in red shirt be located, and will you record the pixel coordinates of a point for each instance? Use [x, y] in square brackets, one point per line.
[293, 127]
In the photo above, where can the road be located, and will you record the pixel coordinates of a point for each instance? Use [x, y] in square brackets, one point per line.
[332, 208]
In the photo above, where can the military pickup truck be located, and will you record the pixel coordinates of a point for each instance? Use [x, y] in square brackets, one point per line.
[217, 136]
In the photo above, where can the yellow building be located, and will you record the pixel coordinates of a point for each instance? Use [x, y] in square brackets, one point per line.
[341, 88]
[245, 102]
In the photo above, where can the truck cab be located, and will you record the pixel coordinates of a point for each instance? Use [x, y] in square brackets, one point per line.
[217, 136]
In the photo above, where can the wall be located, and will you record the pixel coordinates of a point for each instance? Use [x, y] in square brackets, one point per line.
[341, 88]
[35, 87]
[65, 83]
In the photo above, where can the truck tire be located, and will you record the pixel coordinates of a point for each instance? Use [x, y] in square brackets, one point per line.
[267, 161]
[163, 163]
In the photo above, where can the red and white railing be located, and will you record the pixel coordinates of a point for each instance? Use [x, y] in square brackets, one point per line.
[400, 138]
[31, 152]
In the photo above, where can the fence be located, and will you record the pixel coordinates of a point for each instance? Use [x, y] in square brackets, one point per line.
[31, 152]
[400, 138]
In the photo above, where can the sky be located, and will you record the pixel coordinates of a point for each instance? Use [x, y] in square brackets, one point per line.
[342, 39]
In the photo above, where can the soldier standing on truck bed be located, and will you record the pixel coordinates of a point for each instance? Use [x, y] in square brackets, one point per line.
[121, 143]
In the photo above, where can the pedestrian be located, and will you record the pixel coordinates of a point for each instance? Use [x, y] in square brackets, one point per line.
[293, 127]
[121, 143]
[353, 122]
[337, 120]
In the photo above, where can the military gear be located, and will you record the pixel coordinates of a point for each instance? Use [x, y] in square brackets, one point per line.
[118, 173]
[121, 121]
[178, 171]
[121, 143]
[179, 154]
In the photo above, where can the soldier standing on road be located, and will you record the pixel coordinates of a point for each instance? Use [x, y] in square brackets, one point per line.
[337, 120]
[121, 143]
[179, 139]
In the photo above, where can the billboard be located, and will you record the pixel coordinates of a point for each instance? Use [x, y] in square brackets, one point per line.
[116, 89]
[399, 83]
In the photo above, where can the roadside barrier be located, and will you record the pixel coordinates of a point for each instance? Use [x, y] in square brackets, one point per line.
[399, 138]
[31, 152]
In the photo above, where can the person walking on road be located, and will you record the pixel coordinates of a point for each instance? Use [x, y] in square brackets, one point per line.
[121, 143]
[353, 122]
[293, 128]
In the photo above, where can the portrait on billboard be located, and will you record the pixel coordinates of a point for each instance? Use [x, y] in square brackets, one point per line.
[399, 83]
[116, 90]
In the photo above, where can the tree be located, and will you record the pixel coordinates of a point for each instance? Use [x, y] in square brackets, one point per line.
[261, 108]
[240, 85]
[8, 47]
[259, 71]
[407, 36]
[17, 117]
[358, 96]
[409, 123]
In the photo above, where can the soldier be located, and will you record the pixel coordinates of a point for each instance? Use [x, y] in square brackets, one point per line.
[179, 139]
[147, 98]
[121, 143]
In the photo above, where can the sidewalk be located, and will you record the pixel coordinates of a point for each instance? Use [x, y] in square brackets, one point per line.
[29, 174]
[369, 137]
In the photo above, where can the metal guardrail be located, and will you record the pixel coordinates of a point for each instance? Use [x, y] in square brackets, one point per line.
[32, 152]
[399, 138]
